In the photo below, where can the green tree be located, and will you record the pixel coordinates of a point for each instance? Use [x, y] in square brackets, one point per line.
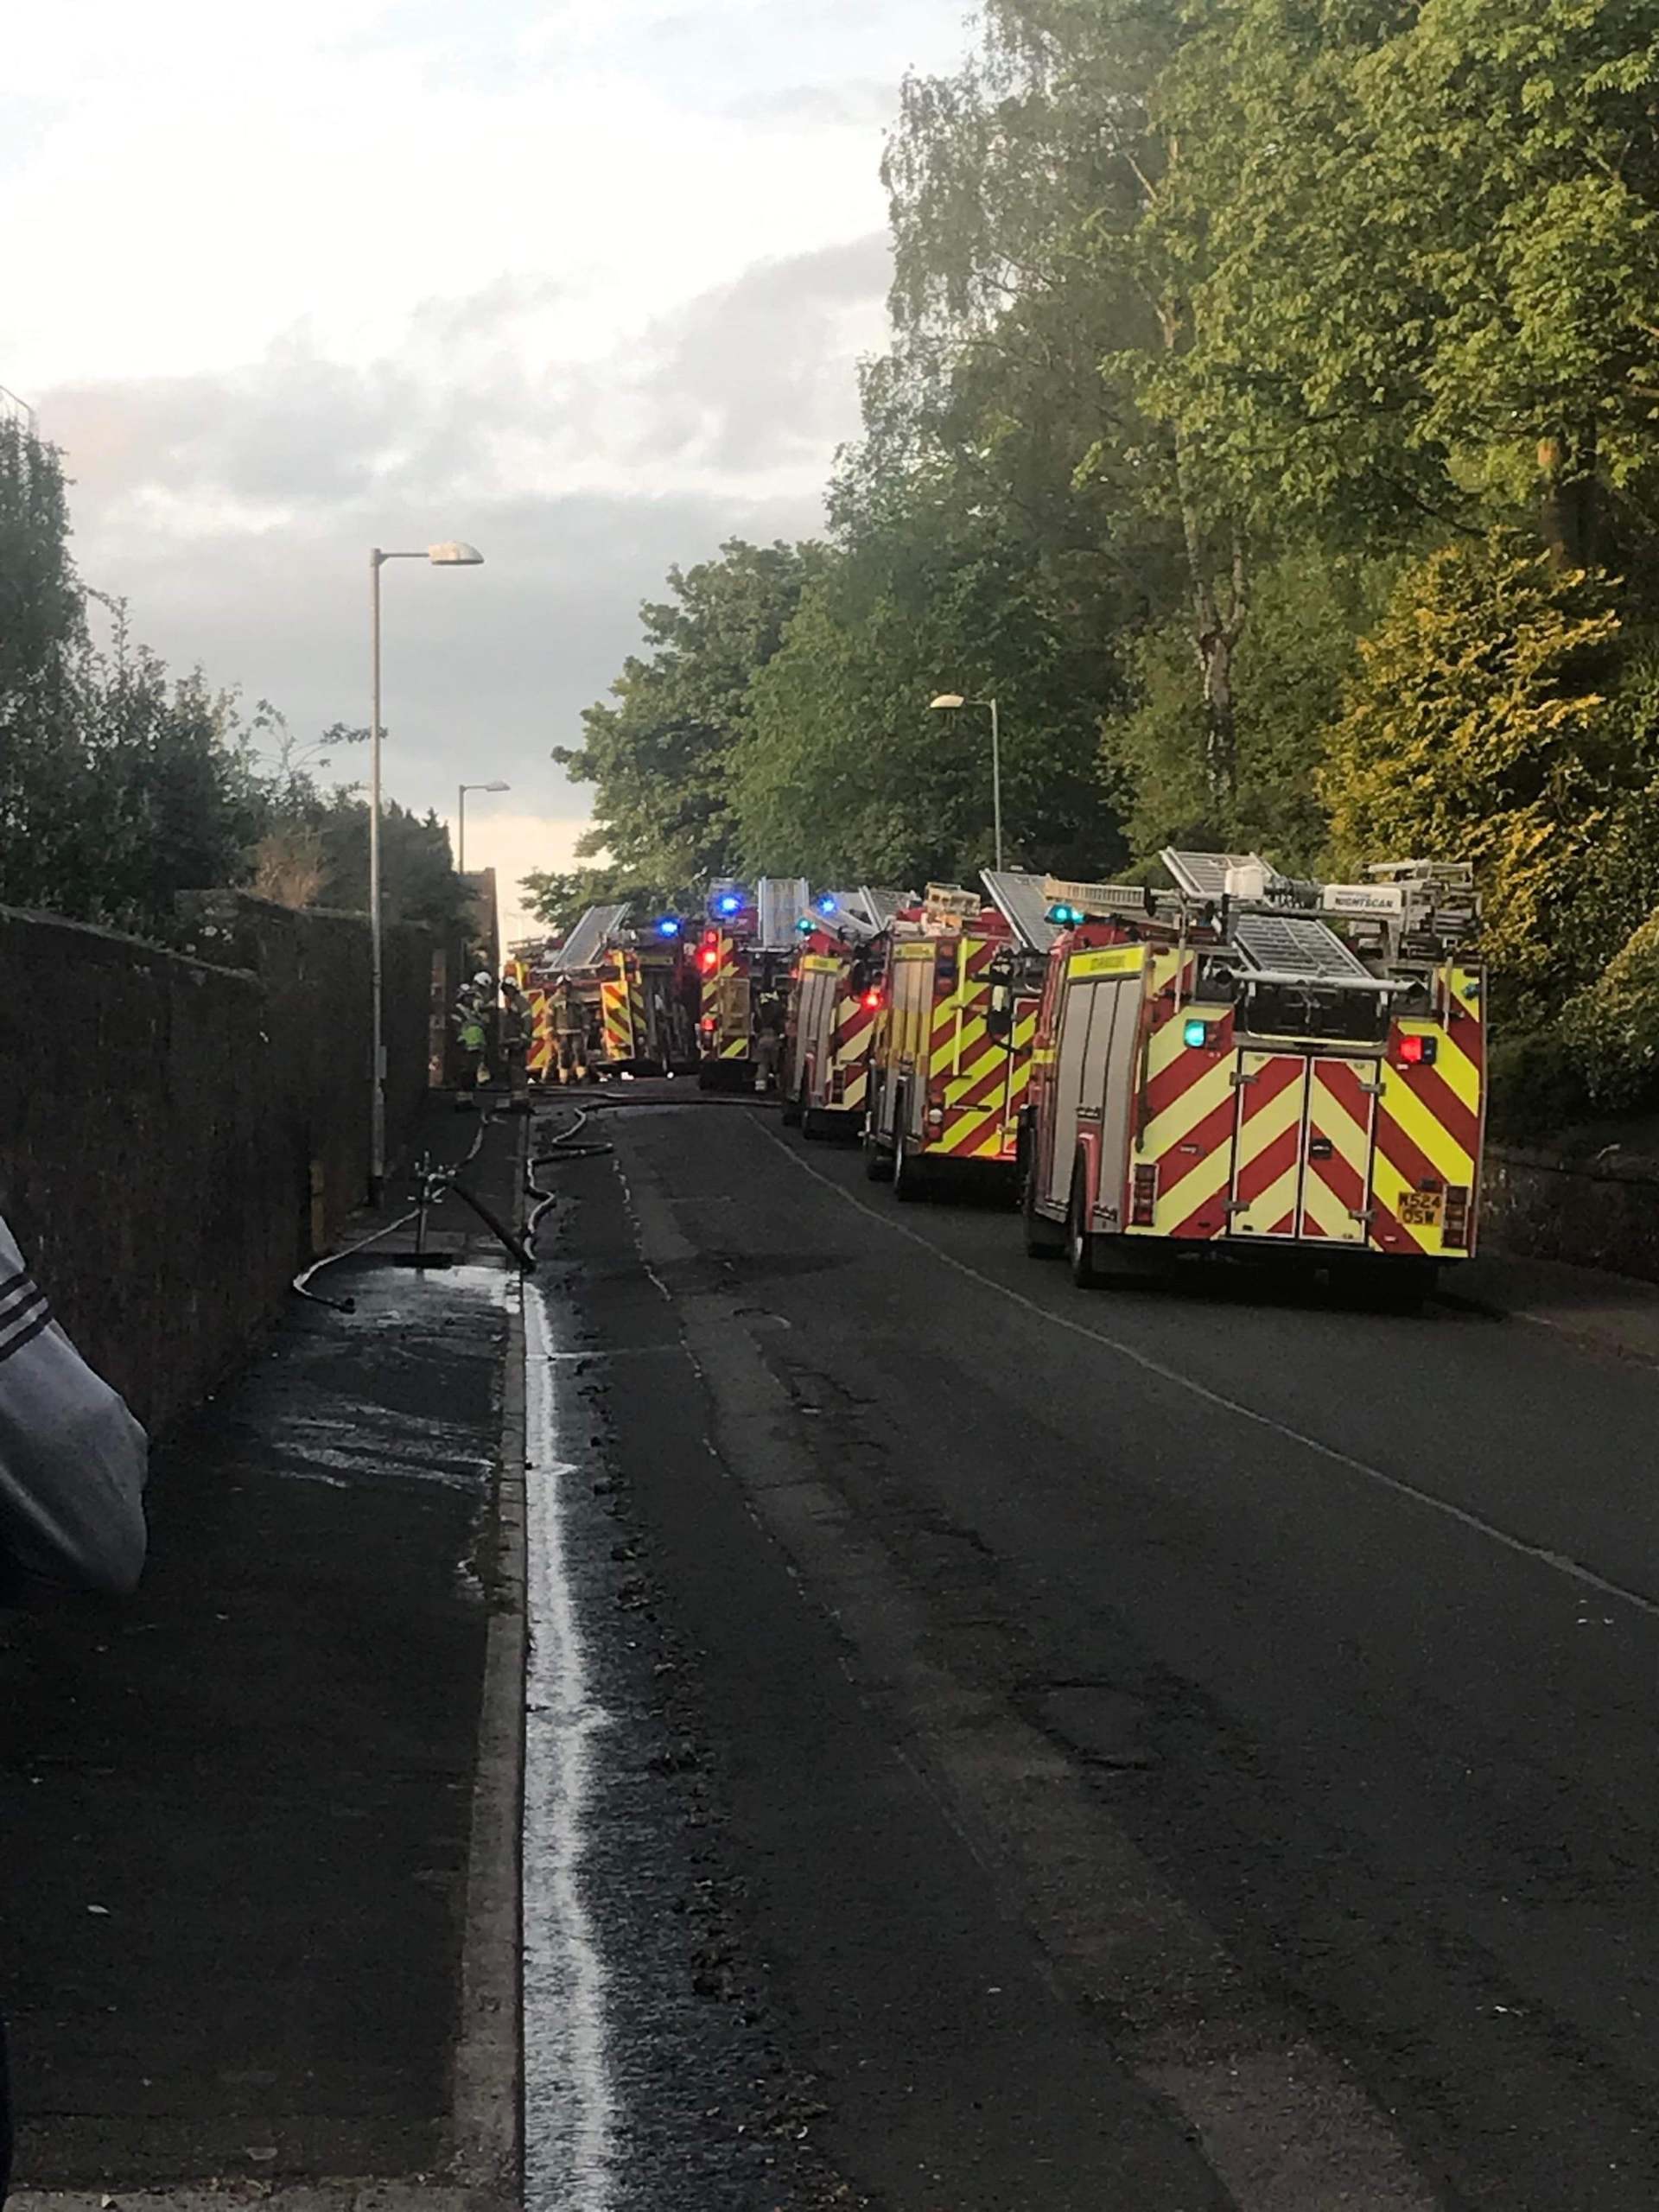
[845, 773]
[42, 605]
[561, 898]
[660, 759]
[1311, 609]
[1425, 246]
[1479, 729]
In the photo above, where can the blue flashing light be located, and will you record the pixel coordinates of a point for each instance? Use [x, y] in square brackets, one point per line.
[804, 926]
[1196, 1033]
[1066, 917]
[826, 905]
[667, 926]
[731, 903]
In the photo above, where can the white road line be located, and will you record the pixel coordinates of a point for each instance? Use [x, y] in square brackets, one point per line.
[1575, 1570]
[569, 2145]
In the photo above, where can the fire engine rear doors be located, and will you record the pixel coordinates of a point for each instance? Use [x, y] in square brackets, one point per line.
[1302, 1147]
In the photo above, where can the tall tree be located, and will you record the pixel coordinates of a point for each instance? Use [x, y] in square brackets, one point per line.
[1425, 249]
[660, 759]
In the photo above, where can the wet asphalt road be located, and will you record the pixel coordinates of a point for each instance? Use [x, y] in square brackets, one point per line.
[1150, 1751]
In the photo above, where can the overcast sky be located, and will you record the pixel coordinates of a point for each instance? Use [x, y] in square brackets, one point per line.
[585, 281]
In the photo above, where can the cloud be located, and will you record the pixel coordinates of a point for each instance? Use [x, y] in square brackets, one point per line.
[752, 380]
[584, 281]
[759, 372]
[862, 104]
[486, 670]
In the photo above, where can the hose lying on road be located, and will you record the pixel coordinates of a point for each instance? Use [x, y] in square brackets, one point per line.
[562, 1146]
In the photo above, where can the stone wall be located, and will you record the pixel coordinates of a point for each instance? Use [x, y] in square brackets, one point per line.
[1600, 1211]
[164, 1115]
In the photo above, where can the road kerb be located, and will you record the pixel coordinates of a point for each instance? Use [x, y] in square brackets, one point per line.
[485, 2115]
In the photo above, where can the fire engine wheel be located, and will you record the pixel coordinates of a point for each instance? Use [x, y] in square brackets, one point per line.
[1079, 1243]
[1044, 1240]
[909, 1176]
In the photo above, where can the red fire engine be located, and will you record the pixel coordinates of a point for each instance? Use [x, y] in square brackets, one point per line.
[836, 993]
[952, 1051]
[1255, 1065]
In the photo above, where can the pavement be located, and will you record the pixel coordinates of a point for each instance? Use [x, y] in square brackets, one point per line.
[239, 1812]
[1616, 1313]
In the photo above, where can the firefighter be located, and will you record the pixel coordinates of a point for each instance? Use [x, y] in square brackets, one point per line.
[768, 1042]
[471, 1027]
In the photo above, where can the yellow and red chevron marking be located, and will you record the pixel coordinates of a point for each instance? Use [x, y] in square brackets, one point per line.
[1188, 1107]
[726, 1002]
[1024, 1041]
[1267, 1152]
[1429, 1126]
[854, 1036]
[969, 1064]
[541, 1053]
[1336, 1173]
[616, 1018]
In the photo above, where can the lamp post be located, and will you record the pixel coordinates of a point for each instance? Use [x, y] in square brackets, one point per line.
[462, 790]
[451, 555]
[949, 700]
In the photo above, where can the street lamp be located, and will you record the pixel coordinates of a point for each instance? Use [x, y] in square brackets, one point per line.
[462, 790]
[451, 555]
[948, 701]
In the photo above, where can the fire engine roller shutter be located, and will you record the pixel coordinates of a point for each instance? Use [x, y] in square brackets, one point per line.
[1099, 1042]
[815, 1021]
[912, 981]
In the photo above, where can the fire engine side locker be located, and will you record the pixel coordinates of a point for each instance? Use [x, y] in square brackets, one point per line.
[1097, 1058]
[815, 1036]
[910, 1019]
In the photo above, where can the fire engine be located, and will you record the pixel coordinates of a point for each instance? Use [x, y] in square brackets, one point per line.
[1251, 1065]
[952, 1051]
[743, 961]
[533, 963]
[619, 998]
[835, 996]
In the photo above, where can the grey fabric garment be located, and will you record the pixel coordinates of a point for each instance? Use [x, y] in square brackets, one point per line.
[73, 1459]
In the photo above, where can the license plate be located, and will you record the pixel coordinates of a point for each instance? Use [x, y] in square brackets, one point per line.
[1422, 1209]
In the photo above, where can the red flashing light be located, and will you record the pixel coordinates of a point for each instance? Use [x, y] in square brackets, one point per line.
[711, 958]
[875, 1001]
[1417, 1051]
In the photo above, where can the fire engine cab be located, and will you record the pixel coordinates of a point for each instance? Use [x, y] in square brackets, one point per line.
[1246, 1064]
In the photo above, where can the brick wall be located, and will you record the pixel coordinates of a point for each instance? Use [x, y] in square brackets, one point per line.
[161, 1115]
[1597, 1212]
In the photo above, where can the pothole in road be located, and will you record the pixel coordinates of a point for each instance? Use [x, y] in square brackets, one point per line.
[1104, 1727]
